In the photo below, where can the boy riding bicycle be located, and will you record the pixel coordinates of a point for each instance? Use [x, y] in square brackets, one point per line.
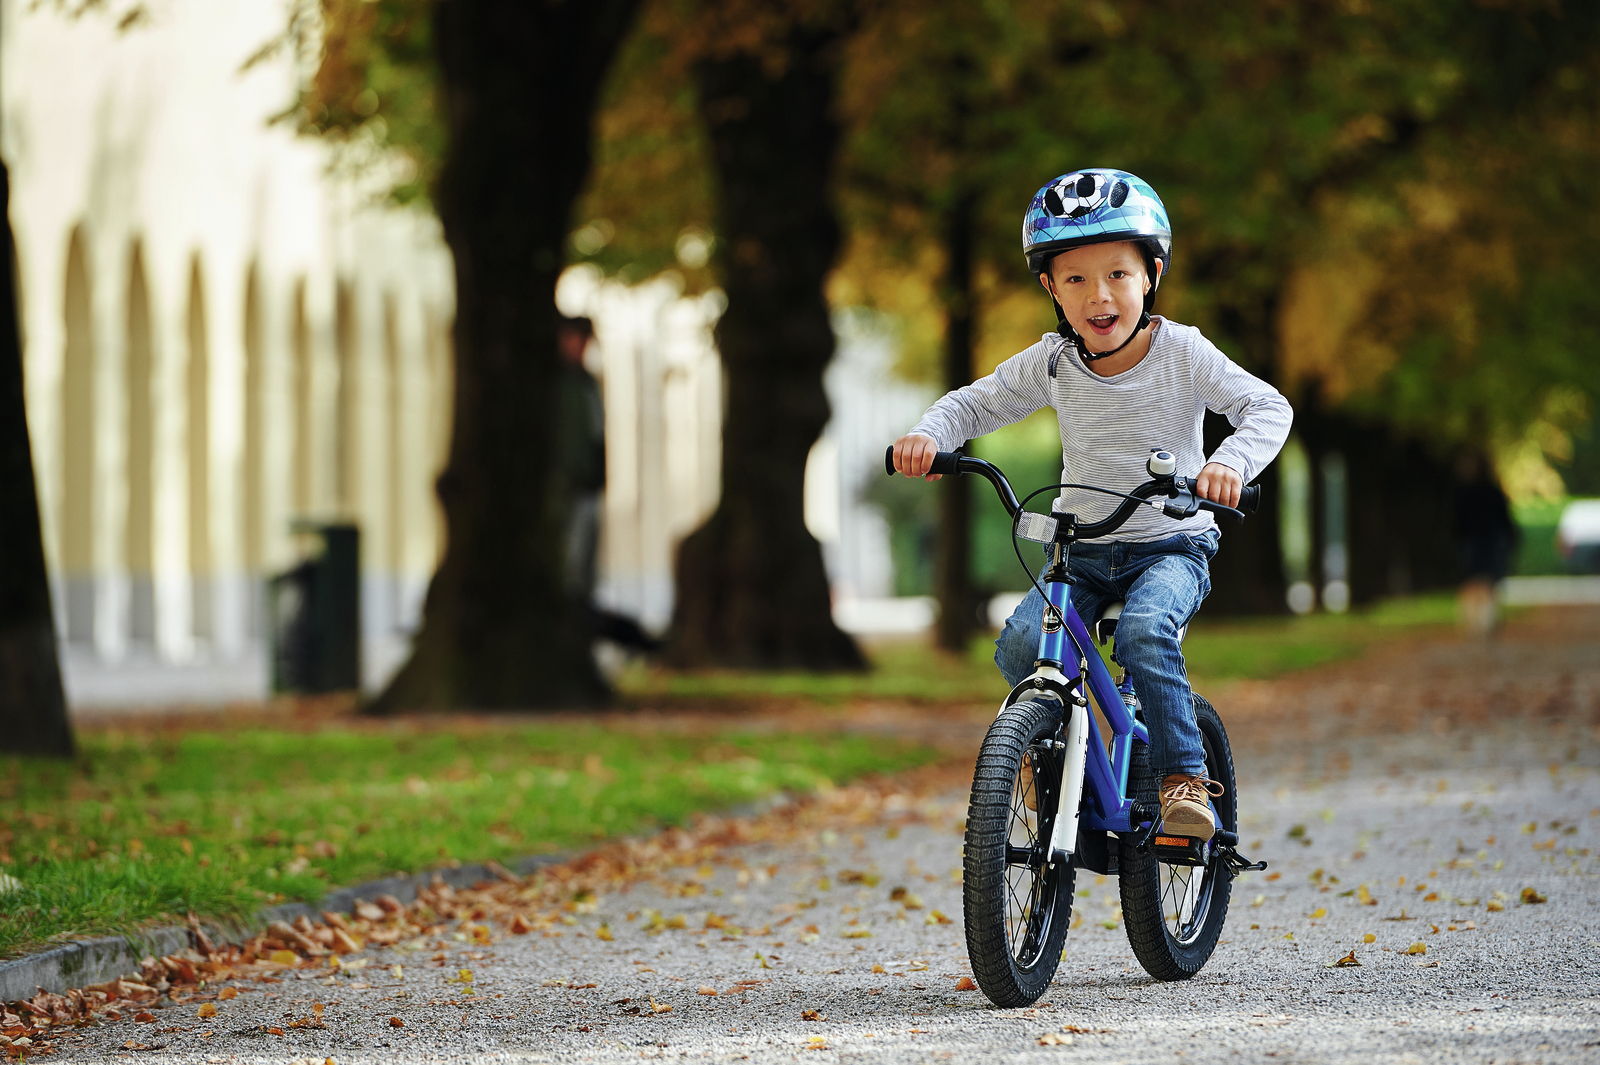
[1122, 382]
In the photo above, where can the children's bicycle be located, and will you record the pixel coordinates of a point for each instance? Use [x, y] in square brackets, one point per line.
[1049, 797]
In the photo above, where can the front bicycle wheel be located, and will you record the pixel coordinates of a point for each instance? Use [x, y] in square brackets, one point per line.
[1174, 912]
[1016, 903]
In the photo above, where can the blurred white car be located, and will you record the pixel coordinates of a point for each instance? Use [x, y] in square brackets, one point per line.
[1578, 536]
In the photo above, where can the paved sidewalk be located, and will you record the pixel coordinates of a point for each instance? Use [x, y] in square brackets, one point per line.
[1486, 796]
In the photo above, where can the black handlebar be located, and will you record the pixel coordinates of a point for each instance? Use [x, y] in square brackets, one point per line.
[1178, 489]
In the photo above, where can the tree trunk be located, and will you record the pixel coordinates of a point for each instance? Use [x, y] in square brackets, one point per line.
[750, 584]
[957, 610]
[500, 629]
[33, 707]
[1247, 573]
[1400, 536]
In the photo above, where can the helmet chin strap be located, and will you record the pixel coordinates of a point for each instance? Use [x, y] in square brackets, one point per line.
[1064, 328]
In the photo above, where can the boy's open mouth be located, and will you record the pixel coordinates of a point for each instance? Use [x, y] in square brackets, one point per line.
[1104, 324]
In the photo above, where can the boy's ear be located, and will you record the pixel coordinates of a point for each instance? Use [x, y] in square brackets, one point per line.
[1156, 281]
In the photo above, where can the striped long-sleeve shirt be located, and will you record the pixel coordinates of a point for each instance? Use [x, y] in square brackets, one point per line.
[1109, 424]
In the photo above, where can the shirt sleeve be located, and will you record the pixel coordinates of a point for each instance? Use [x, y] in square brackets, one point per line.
[1018, 387]
[1259, 414]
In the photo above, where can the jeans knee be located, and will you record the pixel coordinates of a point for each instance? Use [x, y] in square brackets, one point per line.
[1145, 639]
[1013, 653]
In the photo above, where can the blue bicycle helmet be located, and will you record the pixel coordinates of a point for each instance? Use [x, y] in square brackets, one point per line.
[1097, 206]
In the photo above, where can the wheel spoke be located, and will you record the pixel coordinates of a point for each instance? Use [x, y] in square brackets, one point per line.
[1025, 919]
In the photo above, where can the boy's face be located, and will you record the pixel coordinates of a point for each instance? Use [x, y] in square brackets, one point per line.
[1101, 289]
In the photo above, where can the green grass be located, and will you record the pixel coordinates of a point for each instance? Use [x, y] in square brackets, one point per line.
[1536, 554]
[146, 825]
[1216, 649]
[1259, 648]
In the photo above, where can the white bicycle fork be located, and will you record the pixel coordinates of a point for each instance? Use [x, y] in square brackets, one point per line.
[1064, 834]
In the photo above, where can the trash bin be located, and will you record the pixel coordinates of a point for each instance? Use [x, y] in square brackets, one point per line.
[314, 615]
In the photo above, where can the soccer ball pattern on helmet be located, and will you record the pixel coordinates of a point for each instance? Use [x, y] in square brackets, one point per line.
[1075, 195]
[1093, 205]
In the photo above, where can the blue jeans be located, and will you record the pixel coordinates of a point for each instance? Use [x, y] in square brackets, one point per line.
[1163, 584]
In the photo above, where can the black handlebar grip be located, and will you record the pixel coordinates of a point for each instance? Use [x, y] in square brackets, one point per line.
[1250, 498]
[888, 460]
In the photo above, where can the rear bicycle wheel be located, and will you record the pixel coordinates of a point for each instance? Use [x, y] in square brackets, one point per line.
[1016, 903]
[1175, 912]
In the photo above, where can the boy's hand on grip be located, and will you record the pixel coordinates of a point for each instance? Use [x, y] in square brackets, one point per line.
[1220, 484]
[913, 456]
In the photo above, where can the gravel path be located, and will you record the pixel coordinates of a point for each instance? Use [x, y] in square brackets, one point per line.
[1448, 823]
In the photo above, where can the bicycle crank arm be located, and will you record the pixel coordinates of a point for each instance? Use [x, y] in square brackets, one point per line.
[1064, 829]
[1151, 815]
[1234, 862]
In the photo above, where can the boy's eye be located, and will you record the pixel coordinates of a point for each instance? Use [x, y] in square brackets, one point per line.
[1118, 275]
[1075, 279]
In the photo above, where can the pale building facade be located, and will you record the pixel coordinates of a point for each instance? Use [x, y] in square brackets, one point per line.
[225, 335]
[220, 336]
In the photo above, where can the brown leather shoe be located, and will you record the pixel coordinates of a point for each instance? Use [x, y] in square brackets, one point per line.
[1185, 810]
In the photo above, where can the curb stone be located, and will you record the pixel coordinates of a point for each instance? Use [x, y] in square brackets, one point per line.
[93, 961]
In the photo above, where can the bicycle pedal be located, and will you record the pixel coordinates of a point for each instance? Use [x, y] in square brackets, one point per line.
[1179, 850]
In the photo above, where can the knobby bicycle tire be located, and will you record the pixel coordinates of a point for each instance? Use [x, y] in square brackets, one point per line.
[1016, 913]
[1176, 947]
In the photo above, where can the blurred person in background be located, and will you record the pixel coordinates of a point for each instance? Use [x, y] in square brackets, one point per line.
[1488, 537]
[583, 460]
[583, 455]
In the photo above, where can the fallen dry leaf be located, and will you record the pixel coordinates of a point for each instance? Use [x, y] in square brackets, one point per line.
[396, 1022]
[812, 1015]
[228, 993]
[1532, 897]
[604, 933]
[1364, 897]
[207, 1009]
[1347, 961]
[1320, 911]
[660, 1007]
[966, 984]
[1418, 947]
[145, 1018]
[1369, 938]
[858, 933]
[520, 925]
[1055, 1039]
[816, 1042]
[283, 957]
[1494, 907]
[707, 990]
[936, 917]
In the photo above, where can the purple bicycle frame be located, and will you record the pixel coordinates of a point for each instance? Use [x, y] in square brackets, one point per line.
[1106, 779]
